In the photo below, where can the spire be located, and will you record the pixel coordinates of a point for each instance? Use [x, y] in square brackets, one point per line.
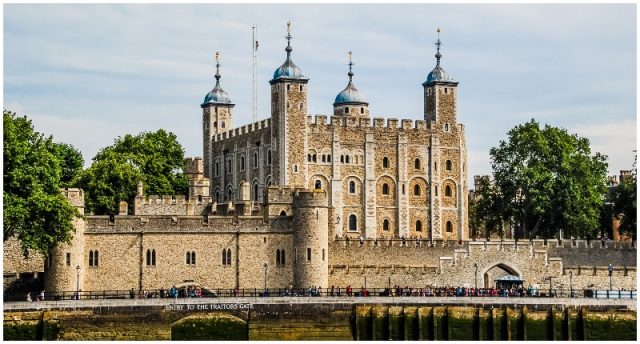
[288, 49]
[288, 70]
[438, 43]
[350, 74]
[217, 69]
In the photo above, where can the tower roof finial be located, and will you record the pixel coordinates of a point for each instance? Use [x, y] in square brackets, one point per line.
[288, 49]
[438, 44]
[217, 67]
[350, 74]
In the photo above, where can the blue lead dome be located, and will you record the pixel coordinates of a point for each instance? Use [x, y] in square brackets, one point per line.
[438, 74]
[217, 96]
[350, 95]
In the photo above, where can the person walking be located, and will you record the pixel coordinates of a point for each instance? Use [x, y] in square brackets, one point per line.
[29, 297]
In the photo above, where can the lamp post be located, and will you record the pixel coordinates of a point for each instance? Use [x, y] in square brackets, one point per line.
[550, 290]
[570, 283]
[610, 273]
[475, 265]
[77, 282]
[266, 266]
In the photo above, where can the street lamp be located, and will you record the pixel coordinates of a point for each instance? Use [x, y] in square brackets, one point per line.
[266, 266]
[475, 265]
[610, 273]
[78, 282]
[550, 290]
[571, 283]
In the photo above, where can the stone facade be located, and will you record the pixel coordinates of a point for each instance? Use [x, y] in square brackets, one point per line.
[313, 201]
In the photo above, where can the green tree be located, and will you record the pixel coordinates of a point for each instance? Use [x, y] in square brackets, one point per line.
[71, 163]
[155, 158]
[626, 203]
[547, 180]
[35, 211]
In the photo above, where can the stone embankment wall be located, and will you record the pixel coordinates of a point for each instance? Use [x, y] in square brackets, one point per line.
[323, 322]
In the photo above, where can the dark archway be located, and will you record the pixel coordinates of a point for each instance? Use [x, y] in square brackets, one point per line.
[495, 271]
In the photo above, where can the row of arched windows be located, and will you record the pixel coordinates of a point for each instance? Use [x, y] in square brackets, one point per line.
[313, 157]
[242, 163]
[151, 257]
[347, 110]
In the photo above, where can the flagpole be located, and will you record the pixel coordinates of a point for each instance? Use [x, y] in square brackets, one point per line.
[254, 47]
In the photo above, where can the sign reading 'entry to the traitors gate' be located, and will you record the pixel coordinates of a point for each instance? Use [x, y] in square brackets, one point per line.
[209, 307]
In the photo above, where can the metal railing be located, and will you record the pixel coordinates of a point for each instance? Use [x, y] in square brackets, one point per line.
[325, 292]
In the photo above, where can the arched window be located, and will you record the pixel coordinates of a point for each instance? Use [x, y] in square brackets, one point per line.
[362, 110]
[346, 159]
[328, 157]
[418, 226]
[449, 227]
[416, 190]
[242, 163]
[229, 193]
[346, 109]
[269, 157]
[385, 162]
[385, 189]
[324, 158]
[309, 157]
[436, 190]
[282, 259]
[342, 159]
[315, 157]
[255, 159]
[300, 88]
[283, 213]
[191, 258]
[215, 124]
[385, 225]
[318, 184]
[151, 257]
[93, 258]
[448, 165]
[288, 87]
[228, 256]
[353, 223]
[447, 191]
[278, 257]
[255, 192]
[416, 164]
[217, 168]
[352, 187]
[218, 196]
[224, 256]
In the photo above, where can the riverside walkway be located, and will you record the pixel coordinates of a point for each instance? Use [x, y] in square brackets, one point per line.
[530, 302]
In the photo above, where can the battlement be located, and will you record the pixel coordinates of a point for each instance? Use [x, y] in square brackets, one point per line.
[247, 129]
[75, 196]
[358, 122]
[166, 223]
[310, 198]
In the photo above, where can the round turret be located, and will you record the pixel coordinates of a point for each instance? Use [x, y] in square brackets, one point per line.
[311, 239]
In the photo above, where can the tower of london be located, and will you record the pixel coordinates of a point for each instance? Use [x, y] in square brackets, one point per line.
[327, 200]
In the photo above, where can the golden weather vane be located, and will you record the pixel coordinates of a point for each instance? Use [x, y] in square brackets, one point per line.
[217, 57]
[349, 55]
[289, 26]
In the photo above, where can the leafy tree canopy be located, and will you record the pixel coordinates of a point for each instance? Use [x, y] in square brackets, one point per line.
[545, 180]
[155, 158]
[35, 168]
[626, 203]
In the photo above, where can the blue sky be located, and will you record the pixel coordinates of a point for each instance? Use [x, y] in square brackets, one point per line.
[87, 74]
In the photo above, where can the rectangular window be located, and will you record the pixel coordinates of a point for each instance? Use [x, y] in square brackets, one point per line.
[68, 259]
[308, 254]
[323, 254]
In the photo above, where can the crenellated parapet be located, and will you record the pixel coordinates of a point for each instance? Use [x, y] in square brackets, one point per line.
[247, 129]
[170, 205]
[325, 122]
